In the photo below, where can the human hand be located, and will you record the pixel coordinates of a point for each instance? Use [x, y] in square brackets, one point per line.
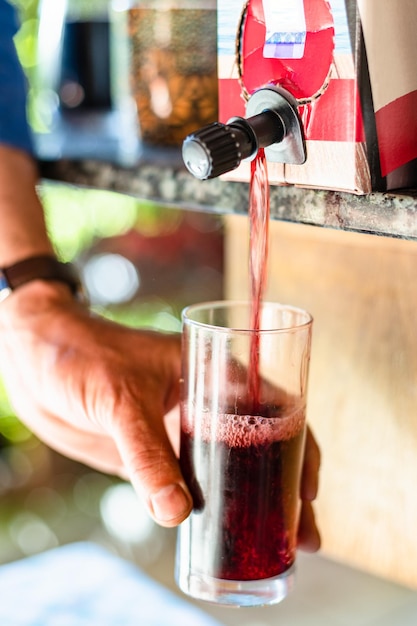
[95, 391]
[107, 396]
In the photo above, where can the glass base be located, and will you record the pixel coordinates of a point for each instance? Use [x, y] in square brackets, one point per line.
[238, 593]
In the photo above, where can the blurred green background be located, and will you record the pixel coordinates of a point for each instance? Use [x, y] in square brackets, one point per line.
[142, 263]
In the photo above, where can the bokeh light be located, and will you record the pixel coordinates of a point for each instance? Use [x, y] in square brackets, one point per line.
[110, 279]
[31, 534]
[124, 516]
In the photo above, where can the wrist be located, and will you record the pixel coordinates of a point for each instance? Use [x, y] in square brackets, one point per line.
[40, 267]
[34, 300]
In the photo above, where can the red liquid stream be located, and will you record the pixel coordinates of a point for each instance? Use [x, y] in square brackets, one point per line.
[259, 210]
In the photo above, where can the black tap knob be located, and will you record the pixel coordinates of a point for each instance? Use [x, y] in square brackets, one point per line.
[219, 148]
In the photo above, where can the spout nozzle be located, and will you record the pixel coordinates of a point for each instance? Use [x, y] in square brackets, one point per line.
[216, 149]
[220, 148]
[274, 125]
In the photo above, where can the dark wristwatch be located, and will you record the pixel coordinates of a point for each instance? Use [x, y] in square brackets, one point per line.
[42, 267]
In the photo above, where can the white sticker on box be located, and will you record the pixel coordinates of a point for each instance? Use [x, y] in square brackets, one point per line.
[285, 34]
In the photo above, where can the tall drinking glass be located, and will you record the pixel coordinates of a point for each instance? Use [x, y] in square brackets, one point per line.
[242, 442]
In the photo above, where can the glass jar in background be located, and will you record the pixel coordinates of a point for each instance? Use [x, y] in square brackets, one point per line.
[82, 102]
[173, 67]
[73, 53]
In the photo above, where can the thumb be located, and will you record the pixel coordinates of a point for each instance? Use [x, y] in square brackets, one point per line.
[153, 468]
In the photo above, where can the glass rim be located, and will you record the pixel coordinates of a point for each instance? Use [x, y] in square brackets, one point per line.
[229, 304]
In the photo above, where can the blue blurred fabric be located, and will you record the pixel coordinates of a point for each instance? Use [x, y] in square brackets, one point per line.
[14, 128]
[83, 584]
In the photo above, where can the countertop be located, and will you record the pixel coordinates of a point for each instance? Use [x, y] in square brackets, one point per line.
[85, 584]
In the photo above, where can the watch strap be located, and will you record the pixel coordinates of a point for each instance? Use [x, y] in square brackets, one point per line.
[42, 267]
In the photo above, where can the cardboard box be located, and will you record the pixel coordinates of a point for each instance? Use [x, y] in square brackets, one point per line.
[351, 65]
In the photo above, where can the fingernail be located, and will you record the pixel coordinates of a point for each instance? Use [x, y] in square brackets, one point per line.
[170, 504]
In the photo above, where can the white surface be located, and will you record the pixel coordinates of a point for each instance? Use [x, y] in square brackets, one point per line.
[330, 594]
[84, 584]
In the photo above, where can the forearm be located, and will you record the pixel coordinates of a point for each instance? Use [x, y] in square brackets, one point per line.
[22, 225]
[23, 231]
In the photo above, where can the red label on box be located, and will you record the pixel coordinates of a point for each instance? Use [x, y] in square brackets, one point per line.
[315, 50]
[397, 132]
